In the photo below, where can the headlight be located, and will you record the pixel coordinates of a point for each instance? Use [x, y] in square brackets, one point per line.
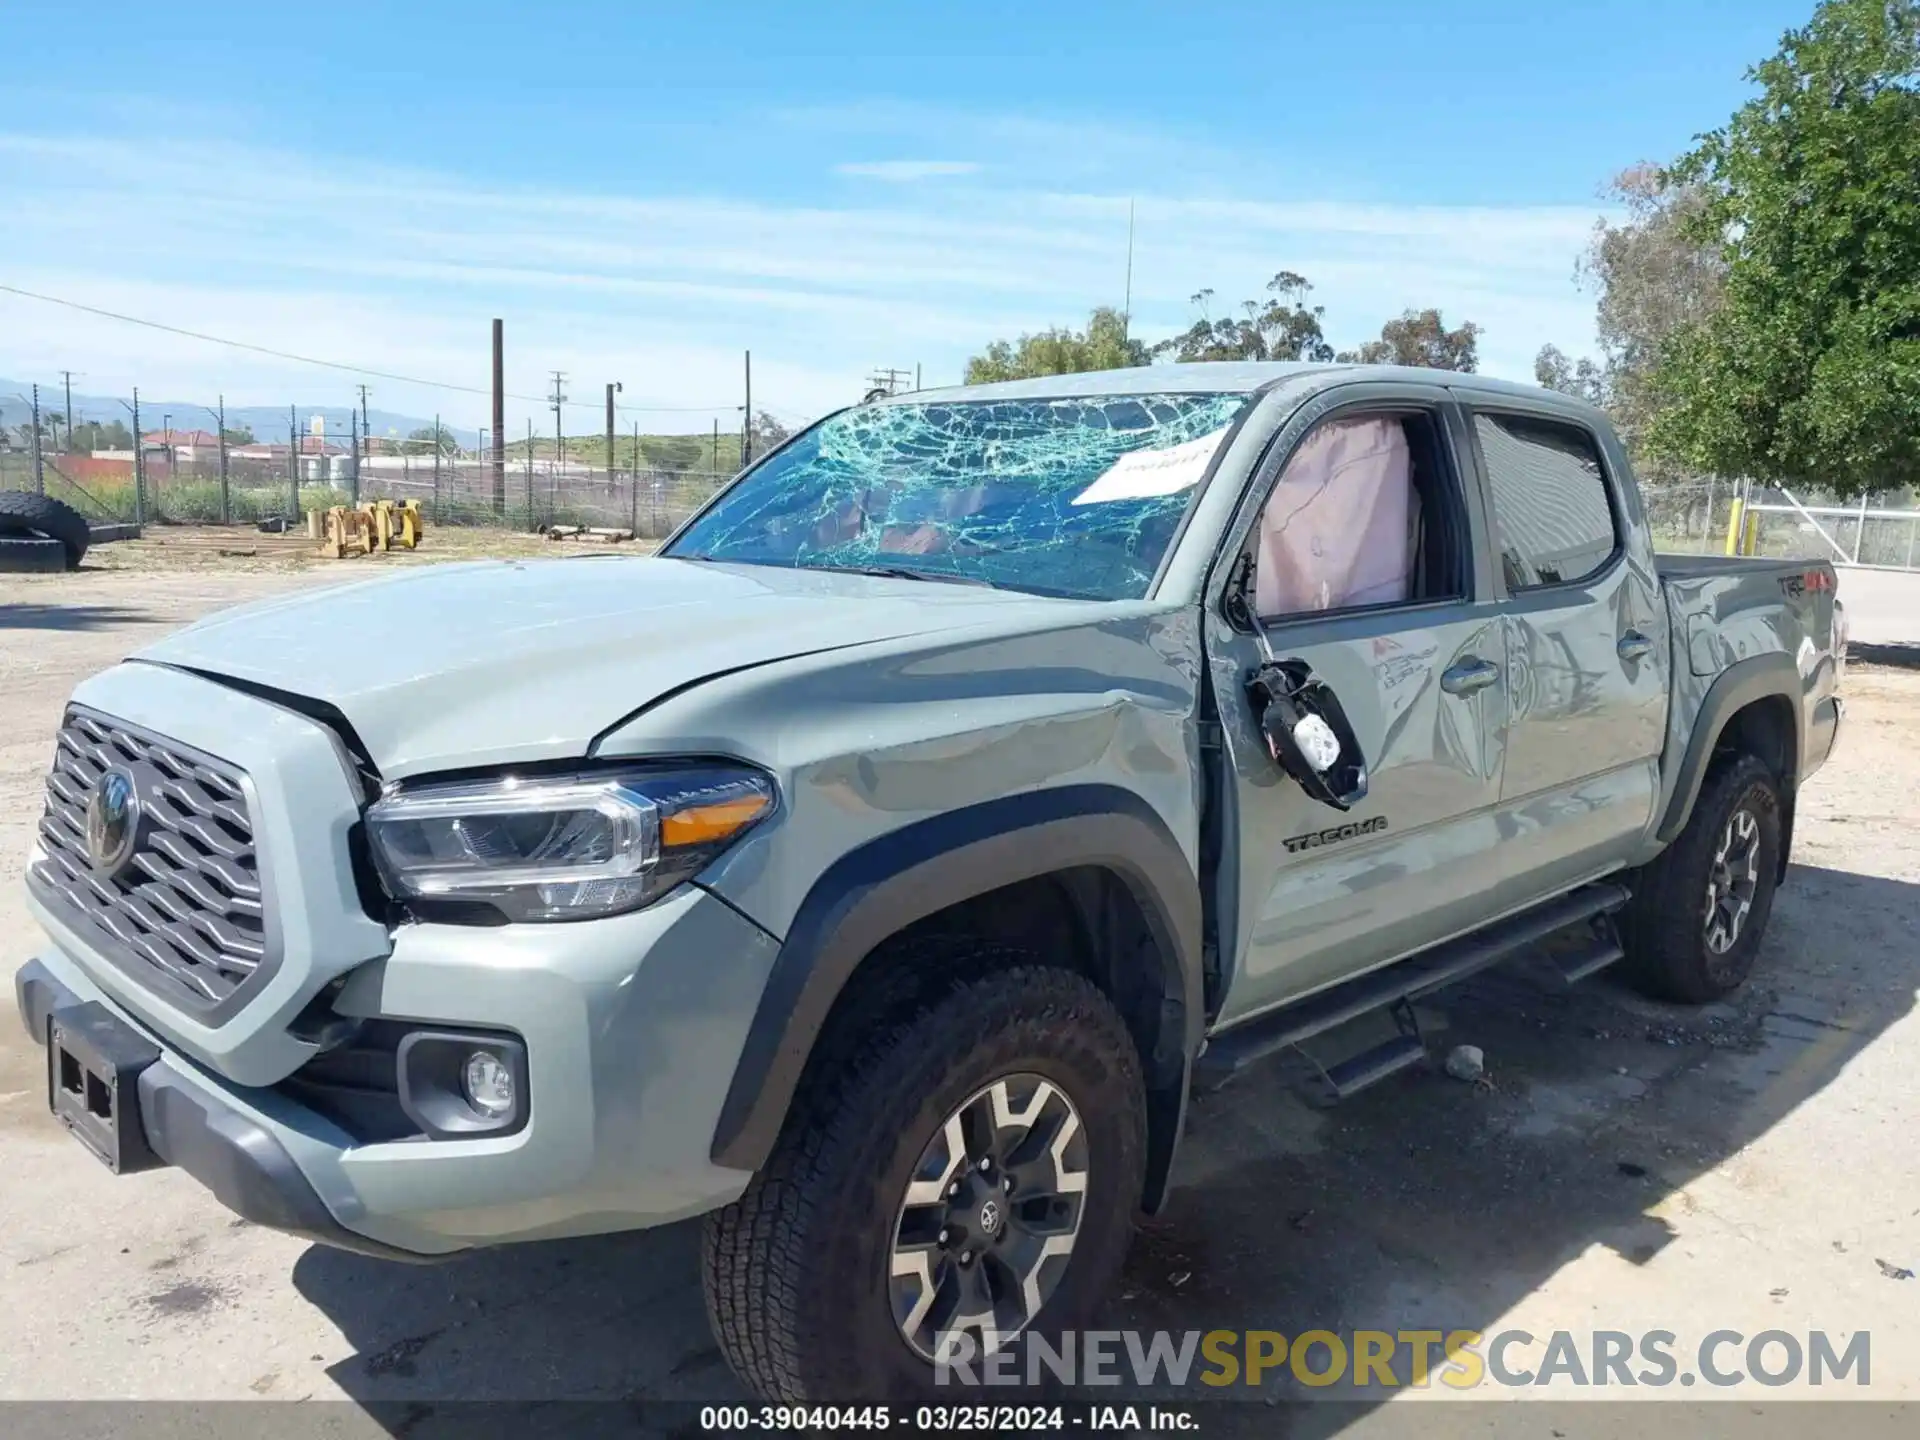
[562, 848]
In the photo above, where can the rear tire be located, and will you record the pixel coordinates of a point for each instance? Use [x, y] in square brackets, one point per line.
[24, 513]
[1700, 909]
[804, 1273]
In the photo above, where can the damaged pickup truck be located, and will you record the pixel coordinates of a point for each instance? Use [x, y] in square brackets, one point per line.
[880, 869]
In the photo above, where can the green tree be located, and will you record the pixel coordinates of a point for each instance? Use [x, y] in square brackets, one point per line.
[1421, 338]
[1654, 278]
[1808, 368]
[673, 452]
[1103, 345]
[1281, 327]
[239, 434]
[423, 441]
[767, 433]
[1580, 378]
[92, 435]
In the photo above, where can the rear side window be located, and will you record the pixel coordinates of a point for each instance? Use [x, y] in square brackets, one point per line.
[1551, 516]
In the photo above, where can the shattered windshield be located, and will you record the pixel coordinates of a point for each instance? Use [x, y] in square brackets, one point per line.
[1076, 497]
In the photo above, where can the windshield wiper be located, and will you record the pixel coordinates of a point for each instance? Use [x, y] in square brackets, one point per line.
[885, 572]
[901, 572]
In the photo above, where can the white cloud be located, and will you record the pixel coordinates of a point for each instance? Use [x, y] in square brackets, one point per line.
[401, 270]
[906, 170]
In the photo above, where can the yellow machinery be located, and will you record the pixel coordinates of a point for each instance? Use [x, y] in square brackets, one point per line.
[377, 525]
[1743, 529]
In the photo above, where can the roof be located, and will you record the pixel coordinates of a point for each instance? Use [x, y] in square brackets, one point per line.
[1211, 377]
[180, 437]
[309, 445]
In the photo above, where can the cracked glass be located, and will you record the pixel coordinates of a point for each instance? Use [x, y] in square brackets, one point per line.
[1075, 497]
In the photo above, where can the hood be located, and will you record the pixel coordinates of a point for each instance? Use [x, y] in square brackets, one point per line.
[450, 666]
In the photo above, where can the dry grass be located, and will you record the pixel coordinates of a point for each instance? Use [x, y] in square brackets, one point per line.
[243, 549]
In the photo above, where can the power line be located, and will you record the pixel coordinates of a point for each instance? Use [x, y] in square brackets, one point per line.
[332, 364]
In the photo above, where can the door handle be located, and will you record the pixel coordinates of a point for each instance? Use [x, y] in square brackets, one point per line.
[1469, 675]
[1634, 646]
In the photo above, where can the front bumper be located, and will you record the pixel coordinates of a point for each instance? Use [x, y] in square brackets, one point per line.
[633, 1026]
[235, 1156]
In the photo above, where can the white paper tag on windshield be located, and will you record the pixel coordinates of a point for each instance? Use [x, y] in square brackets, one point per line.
[1142, 474]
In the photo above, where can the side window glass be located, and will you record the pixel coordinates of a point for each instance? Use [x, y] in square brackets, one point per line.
[1355, 520]
[1551, 517]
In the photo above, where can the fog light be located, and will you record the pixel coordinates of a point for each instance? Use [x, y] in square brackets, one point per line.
[488, 1084]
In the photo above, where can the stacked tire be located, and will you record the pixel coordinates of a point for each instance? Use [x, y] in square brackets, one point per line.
[35, 519]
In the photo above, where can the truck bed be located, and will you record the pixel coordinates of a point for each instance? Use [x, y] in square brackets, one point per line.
[1728, 611]
[1676, 566]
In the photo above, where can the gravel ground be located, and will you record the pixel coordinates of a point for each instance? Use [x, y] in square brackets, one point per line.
[1623, 1165]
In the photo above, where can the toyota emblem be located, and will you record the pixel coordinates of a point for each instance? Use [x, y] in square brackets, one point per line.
[990, 1218]
[113, 821]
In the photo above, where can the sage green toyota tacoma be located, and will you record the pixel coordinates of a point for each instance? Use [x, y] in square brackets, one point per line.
[879, 869]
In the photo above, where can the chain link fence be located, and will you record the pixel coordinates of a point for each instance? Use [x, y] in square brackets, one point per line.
[173, 477]
[540, 493]
[1690, 518]
[1880, 531]
[199, 477]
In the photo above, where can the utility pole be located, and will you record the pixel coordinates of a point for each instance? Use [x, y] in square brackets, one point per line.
[530, 524]
[436, 467]
[293, 464]
[611, 388]
[220, 420]
[39, 477]
[499, 420]
[888, 380]
[353, 444]
[166, 438]
[1126, 305]
[633, 518]
[716, 444]
[559, 443]
[746, 425]
[916, 374]
[139, 480]
[66, 377]
[366, 439]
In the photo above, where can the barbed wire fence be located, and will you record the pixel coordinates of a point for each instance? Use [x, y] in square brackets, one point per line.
[191, 469]
[193, 465]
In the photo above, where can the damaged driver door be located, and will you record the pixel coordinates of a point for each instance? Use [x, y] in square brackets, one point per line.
[1362, 703]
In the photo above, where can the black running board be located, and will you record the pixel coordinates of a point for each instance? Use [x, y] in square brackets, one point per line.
[1228, 1053]
[1370, 1067]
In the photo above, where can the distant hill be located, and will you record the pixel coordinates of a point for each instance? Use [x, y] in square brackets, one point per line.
[268, 422]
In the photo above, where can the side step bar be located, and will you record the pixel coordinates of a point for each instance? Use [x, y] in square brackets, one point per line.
[1231, 1051]
[1370, 1067]
[1602, 951]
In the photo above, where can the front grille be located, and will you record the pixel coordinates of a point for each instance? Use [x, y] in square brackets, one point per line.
[182, 911]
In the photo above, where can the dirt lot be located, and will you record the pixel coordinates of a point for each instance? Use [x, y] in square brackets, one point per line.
[1626, 1165]
[172, 549]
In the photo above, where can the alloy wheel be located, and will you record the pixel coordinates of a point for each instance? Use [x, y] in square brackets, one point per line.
[991, 1212]
[1732, 881]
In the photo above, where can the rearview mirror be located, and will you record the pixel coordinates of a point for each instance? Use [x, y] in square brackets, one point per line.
[1308, 733]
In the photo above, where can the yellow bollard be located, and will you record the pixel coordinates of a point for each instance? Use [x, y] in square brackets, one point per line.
[1734, 527]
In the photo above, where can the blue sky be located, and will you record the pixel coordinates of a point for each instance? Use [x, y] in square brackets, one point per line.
[644, 190]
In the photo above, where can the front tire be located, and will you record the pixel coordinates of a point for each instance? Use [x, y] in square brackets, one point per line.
[831, 1278]
[1700, 908]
